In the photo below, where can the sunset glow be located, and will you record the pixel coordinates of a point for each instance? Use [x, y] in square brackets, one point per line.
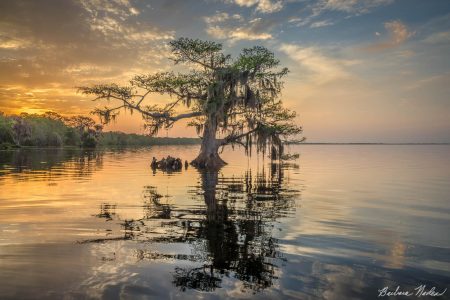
[368, 71]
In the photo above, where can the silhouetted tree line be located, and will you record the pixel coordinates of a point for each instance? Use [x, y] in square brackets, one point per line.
[53, 130]
[48, 130]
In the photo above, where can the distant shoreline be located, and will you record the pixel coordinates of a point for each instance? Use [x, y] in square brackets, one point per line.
[167, 141]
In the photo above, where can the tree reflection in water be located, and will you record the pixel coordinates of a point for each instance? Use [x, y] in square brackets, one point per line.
[232, 233]
[50, 164]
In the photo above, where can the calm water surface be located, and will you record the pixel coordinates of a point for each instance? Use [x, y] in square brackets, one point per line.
[341, 222]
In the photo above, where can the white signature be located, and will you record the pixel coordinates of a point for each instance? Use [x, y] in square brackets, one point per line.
[420, 291]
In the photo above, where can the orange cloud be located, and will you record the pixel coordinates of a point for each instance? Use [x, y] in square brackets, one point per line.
[398, 34]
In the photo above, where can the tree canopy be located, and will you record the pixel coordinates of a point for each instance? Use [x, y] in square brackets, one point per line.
[230, 101]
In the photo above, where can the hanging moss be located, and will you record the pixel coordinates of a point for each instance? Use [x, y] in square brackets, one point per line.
[237, 98]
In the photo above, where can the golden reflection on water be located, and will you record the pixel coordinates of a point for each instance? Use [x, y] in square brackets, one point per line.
[340, 221]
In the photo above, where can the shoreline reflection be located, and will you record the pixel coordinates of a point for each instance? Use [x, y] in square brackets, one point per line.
[352, 220]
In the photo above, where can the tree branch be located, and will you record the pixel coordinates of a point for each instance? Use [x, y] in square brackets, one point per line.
[142, 98]
[236, 138]
[165, 114]
[186, 115]
[188, 57]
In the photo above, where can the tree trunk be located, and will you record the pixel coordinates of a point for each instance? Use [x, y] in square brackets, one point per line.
[208, 157]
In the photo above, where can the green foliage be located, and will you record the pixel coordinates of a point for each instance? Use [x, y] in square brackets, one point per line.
[88, 141]
[205, 53]
[72, 137]
[237, 97]
[47, 130]
[121, 139]
[256, 59]
[53, 130]
[108, 91]
[6, 132]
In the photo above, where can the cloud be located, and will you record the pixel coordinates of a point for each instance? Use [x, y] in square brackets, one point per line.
[440, 79]
[115, 20]
[122, 8]
[263, 6]
[321, 24]
[339, 5]
[220, 17]
[57, 45]
[438, 37]
[320, 68]
[95, 32]
[348, 8]
[351, 6]
[398, 34]
[234, 28]
[237, 34]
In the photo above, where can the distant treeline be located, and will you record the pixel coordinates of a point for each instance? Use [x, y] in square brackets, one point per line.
[53, 130]
[132, 139]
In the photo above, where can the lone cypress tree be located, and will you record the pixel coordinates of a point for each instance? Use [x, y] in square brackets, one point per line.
[231, 101]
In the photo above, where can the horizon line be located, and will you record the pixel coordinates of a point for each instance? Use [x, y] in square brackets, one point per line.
[319, 143]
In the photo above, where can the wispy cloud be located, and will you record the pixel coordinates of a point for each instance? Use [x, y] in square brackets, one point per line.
[99, 41]
[7, 42]
[114, 19]
[321, 24]
[443, 79]
[438, 37]
[234, 28]
[347, 8]
[220, 17]
[47, 47]
[320, 67]
[398, 33]
[121, 8]
[236, 34]
[351, 6]
[263, 6]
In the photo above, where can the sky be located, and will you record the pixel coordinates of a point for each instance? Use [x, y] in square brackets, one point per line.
[360, 70]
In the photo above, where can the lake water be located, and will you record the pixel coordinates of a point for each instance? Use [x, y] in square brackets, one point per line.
[341, 222]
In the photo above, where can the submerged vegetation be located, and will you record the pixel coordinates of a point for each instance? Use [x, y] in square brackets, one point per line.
[230, 101]
[53, 130]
